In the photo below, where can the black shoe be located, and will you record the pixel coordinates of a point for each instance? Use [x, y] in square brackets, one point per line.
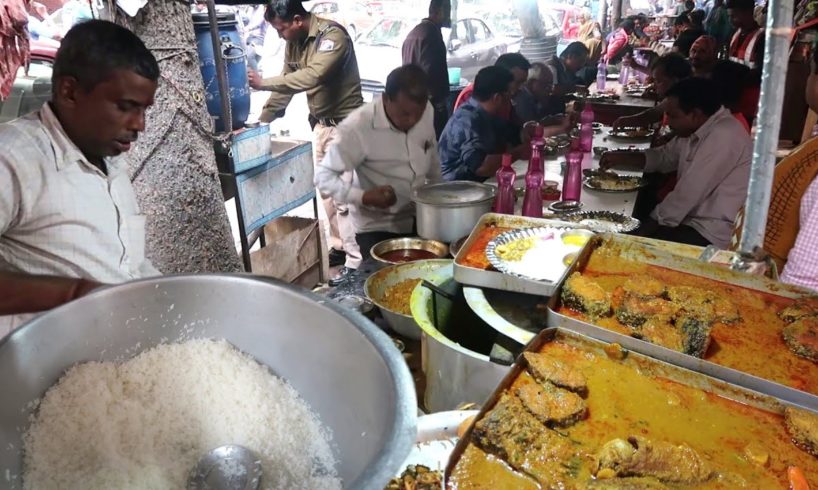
[337, 257]
[344, 275]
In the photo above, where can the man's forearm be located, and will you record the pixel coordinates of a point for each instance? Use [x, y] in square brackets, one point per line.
[25, 293]
[490, 166]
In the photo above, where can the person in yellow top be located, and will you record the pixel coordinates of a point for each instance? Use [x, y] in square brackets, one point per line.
[319, 59]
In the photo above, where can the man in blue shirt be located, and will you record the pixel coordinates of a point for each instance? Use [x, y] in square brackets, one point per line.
[475, 138]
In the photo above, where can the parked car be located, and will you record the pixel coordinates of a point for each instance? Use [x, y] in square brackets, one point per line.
[470, 42]
[506, 24]
[357, 17]
[33, 89]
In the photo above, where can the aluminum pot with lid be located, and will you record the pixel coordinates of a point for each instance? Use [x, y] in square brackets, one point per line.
[449, 210]
[342, 365]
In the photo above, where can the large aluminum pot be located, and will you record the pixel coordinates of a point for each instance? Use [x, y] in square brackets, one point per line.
[449, 210]
[454, 374]
[348, 371]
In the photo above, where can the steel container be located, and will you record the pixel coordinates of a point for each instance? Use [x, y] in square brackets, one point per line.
[378, 283]
[348, 371]
[449, 210]
[454, 374]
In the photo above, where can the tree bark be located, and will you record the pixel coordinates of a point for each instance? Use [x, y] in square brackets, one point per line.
[173, 166]
[531, 22]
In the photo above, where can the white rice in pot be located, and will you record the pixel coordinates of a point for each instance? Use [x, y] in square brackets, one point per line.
[144, 423]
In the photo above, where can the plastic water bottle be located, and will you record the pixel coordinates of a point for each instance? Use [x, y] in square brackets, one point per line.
[601, 75]
[624, 73]
[534, 177]
[504, 200]
[586, 128]
[572, 182]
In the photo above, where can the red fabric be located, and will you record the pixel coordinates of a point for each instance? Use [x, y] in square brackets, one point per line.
[743, 120]
[14, 46]
[618, 41]
[748, 104]
[465, 95]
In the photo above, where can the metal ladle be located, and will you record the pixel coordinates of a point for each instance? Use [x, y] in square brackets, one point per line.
[228, 467]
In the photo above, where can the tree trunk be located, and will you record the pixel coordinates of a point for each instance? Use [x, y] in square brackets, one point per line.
[531, 23]
[173, 165]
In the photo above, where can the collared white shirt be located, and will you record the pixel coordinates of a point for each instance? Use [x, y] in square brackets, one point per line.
[59, 214]
[713, 168]
[378, 154]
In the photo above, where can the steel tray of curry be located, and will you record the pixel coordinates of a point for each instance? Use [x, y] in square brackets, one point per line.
[730, 319]
[574, 412]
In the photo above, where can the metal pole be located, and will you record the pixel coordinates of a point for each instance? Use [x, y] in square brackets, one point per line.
[601, 15]
[221, 70]
[773, 80]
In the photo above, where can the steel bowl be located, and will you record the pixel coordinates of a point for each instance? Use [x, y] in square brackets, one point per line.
[446, 211]
[378, 283]
[379, 249]
[342, 365]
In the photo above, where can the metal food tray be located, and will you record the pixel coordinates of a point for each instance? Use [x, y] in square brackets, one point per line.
[497, 280]
[772, 400]
[640, 251]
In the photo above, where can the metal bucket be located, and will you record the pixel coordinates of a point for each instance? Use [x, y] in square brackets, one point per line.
[348, 371]
[454, 374]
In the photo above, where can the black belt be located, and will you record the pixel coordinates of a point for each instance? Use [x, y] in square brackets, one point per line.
[325, 121]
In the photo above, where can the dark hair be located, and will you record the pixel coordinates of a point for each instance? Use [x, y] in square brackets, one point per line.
[510, 61]
[682, 19]
[696, 93]
[435, 5]
[574, 49]
[93, 49]
[409, 80]
[628, 24]
[697, 17]
[673, 65]
[690, 5]
[490, 81]
[731, 79]
[284, 10]
[746, 5]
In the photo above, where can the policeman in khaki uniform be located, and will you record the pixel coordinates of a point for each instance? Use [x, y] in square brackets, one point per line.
[320, 60]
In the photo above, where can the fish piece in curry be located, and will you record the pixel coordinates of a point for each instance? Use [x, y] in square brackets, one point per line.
[549, 404]
[668, 463]
[546, 369]
[802, 426]
[803, 308]
[510, 432]
[801, 336]
[583, 294]
[625, 484]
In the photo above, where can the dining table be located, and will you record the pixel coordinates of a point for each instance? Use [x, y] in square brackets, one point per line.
[592, 200]
[607, 111]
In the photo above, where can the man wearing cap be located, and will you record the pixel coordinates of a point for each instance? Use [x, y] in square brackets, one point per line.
[319, 59]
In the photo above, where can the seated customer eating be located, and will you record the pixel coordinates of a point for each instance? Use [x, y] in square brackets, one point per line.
[476, 136]
[711, 154]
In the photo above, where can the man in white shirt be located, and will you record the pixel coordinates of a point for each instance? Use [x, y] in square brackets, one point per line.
[68, 214]
[391, 148]
[711, 153]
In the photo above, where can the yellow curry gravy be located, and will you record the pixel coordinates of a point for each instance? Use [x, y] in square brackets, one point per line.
[753, 345]
[748, 447]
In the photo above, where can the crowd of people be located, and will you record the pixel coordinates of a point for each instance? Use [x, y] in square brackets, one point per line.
[370, 157]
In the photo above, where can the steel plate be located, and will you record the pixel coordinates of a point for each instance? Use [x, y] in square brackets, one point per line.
[595, 221]
[623, 134]
[512, 236]
[586, 182]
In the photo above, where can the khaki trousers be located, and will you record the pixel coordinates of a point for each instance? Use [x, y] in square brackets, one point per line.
[341, 228]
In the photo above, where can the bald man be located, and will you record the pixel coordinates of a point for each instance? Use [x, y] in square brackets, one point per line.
[704, 56]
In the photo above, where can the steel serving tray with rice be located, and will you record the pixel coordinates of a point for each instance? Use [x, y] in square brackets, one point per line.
[746, 329]
[575, 412]
[474, 267]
